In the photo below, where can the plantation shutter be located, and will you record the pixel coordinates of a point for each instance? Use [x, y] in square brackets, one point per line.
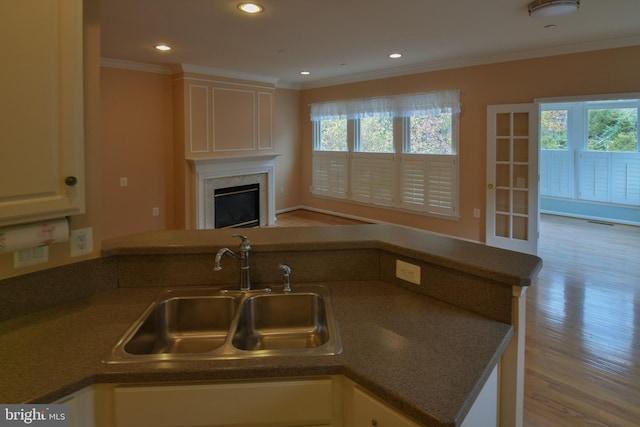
[441, 178]
[428, 183]
[626, 178]
[594, 176]
[413, 177]
[556, 173]
[329, 174]
[372, 178]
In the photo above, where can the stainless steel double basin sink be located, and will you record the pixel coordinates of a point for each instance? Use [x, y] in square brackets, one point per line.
[210, 324]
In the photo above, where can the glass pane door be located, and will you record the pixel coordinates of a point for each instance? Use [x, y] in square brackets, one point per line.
[512, 177]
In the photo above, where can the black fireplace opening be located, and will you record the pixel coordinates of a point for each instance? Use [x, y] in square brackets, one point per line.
[237, 207]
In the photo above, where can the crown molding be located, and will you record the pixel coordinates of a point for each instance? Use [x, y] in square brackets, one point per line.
[134, 66]
[219, 72]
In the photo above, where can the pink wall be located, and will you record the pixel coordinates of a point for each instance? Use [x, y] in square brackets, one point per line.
[286, 132]
[598, 72]
[137, 144]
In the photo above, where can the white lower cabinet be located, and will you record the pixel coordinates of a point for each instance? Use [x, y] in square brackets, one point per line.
[319, 401]
[361, 409]
[81, 407]
[484, 412]
[370, 412]
[305, 402]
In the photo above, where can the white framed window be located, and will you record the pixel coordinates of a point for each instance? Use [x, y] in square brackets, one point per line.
[590, 151]
[397, 152]
[331, 135]
[374, 135]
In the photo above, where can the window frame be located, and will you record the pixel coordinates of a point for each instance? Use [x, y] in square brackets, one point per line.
[455, 128]
[438, 195]
[588, 175]
[610, 105]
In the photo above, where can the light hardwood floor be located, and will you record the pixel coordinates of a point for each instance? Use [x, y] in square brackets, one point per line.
[303, 218]
[582, 357]
[582, 361]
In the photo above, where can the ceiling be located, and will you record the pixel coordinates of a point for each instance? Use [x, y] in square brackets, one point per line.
[349, 40]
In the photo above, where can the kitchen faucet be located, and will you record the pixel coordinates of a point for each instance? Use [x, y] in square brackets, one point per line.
[242, 256]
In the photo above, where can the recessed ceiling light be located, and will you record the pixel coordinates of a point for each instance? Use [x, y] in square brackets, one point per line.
[163, 47]
[395, 55]
[305, 73]
[251, 8]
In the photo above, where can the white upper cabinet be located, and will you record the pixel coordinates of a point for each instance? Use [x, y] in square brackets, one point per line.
[41, 111]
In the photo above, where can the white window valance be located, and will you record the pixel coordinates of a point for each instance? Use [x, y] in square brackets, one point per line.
[419, 104]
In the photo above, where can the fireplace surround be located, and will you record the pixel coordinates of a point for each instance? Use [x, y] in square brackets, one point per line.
[223, 172]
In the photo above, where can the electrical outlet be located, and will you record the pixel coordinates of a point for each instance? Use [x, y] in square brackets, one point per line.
[408, 272]
[155, 212]
[81, 242]
[476, 213]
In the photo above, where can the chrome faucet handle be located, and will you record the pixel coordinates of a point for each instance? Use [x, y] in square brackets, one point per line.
[286, 280]
[244, 244]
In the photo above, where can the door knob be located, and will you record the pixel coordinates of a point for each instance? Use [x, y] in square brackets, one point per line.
[490, 186]
[71, 181]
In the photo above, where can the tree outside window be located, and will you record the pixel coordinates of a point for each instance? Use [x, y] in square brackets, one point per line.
[613, 129]
[553, 129]
[376, 135]
[333, 135]
[431, 134]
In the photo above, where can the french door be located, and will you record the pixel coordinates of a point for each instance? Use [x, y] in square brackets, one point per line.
[512, 177]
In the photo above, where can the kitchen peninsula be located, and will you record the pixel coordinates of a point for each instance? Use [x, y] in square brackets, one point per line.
[425, 350]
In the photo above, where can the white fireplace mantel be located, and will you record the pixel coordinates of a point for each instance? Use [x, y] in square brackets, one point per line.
[230, 167]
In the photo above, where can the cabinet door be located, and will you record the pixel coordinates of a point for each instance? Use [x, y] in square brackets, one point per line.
[269, 403]
[370, 412]
[81, 407]
[41, 110]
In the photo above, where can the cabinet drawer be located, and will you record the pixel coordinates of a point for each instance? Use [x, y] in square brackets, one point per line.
[279, 403]
[370, 412]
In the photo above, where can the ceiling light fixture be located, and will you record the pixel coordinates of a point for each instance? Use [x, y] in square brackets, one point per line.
[305, 73]
[251, 8]
[163, 47]
[546, 8]
[395, 55]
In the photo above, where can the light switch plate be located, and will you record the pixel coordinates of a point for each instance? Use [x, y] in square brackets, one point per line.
[31, 256]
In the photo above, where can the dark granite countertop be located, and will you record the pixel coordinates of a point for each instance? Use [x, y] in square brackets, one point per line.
[426, 358]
